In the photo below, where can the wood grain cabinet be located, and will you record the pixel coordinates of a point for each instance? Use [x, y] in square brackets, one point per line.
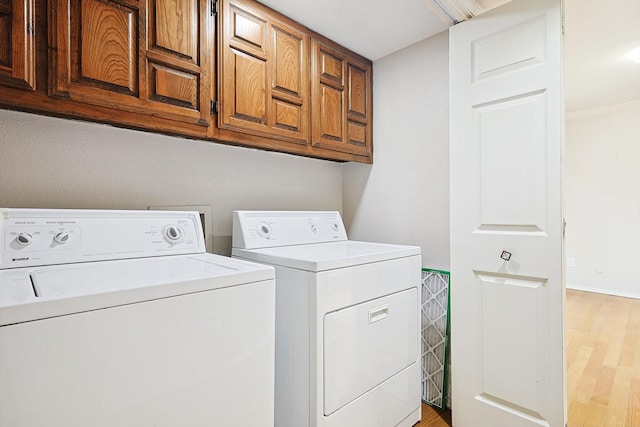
[143, 56]
[232, 71]
[264, 74]
[280, 81]
[17, 44]
[341, 100]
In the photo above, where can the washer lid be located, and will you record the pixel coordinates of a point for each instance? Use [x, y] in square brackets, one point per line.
[103, 277]
[37, 293]
[327, 256]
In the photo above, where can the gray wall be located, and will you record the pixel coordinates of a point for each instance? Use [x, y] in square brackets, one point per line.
[602, 201]
[404, 196]
[54, 163]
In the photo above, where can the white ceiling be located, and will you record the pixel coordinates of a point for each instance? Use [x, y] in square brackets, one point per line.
[372, 28]
[598, 34]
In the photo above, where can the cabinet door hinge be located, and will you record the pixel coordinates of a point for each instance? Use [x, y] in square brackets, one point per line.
[213, 107]
[214, 7]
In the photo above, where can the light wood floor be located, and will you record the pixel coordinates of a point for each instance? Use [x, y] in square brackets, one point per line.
[603, 360]
[433, 418]
[603, 363]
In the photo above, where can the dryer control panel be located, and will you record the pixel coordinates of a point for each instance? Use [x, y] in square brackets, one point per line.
[34, 237]
[266, 229]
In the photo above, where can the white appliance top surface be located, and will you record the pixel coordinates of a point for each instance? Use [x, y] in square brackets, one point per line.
[318, 257]
[61, 261]
[33, 293]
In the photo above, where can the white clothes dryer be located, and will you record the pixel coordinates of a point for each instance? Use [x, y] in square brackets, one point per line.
[347, 320]
[120, 318]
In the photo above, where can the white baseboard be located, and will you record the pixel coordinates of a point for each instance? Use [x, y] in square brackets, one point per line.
[625, 294]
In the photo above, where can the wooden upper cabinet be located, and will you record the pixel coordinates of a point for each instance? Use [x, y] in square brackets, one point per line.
[341, 100]
[17, 44]
[263, 74]
[149, 64]
[144, 56]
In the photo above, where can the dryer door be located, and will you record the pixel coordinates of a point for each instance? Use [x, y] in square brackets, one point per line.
[366, 344]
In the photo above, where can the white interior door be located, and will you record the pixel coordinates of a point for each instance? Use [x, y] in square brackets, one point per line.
[506, 146]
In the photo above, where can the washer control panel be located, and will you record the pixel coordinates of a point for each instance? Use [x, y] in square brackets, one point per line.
[33, 237]
[263, 229]
[40, 237]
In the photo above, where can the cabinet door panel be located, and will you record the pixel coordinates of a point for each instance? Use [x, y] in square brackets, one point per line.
[108, 46]
[287, 70]
[287, 116]
[94, 53]
[250, 88]
[357, 91]
[330, 67]
[341, 108]
[144, 56]
[249, 29]
[178, 61]
[5, 34]
[264, 88]
[331, 117]
[357, 133]
[17, 44]
[174, 27]
[174, 87]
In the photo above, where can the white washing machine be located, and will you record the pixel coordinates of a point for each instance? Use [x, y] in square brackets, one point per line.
[120, 318]
[347, 323]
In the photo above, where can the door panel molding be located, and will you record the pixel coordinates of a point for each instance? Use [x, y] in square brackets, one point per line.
[506, 124]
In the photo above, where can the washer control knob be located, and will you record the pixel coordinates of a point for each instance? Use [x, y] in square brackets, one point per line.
[173, 234]
[61, 237]
[24, 239]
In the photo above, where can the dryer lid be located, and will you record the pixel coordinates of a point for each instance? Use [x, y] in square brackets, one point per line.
[327, 256]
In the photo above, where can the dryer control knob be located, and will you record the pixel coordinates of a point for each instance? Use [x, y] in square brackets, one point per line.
[61, 237]
[24, 239]
[173, 234]
[264, 230]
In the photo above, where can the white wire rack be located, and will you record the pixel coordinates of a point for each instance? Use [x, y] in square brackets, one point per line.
[435, 340]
